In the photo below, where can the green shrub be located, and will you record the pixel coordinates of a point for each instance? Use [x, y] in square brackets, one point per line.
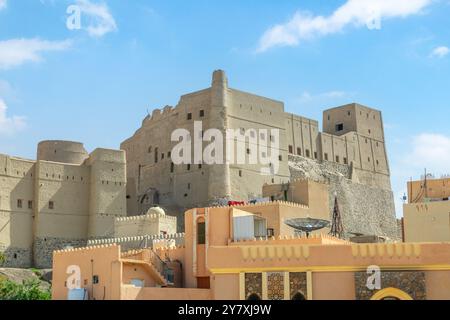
[2, 259]
[28, 290]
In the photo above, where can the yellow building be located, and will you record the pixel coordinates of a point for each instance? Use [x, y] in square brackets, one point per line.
[427, 214]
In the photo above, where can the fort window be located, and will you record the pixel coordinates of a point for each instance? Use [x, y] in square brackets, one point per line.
[315, 154]
[325, 156]
[345, 161]
[272, 138]
[308, 154]
[280, 157]
[149, 149]
[202, 113]
[339, 127]
[240, 173]
[368, 159]
[370, 131]
[291, 149]
[248, 150]
[19, 203]
[189, 186]
[172, 167]
[189, 167]
[156, 155]
[367, 141]
[299, 151]
[128, 197]
[169, 154]
[162, 156]
[349, 113]
[201, 233]
[30, 204]
[378, 162]
[51, 205]
[200, 166]
[337, 159]
[189, 116]
[328, 117]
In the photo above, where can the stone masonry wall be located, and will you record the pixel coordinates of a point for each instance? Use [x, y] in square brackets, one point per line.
[411, 282]
[364, 209]
[16, 257]
[43, 249]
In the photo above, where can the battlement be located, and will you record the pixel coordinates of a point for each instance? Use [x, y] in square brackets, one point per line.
[388, 250]
[148, 217]
[132, 242]
[83, 249]
[313, 239]
[264, 204]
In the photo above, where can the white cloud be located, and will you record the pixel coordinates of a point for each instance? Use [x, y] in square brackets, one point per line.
[100, 18]
[16, 52]
[3, 4]
[431, 151]
[325, 97]
[440, 52]
[11, 125]
[358, 13]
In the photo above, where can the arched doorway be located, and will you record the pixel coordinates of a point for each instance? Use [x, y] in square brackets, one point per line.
[253, 297]
[391, 294]
[299, 296]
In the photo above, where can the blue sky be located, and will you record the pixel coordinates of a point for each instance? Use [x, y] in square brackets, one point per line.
[96, 84]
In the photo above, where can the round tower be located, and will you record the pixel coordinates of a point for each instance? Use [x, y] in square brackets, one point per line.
[62, 151]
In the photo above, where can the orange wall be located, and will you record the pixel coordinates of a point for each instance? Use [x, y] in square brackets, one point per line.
[438, 285]
[333, 286]
[101, 265]
[225, 287]
[132, 293]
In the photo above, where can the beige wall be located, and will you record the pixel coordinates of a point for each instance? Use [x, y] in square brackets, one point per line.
[427, 222]
[86, 193]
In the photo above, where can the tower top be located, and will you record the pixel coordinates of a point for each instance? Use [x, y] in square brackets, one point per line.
[219, 78]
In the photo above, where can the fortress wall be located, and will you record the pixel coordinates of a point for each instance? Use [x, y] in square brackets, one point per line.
[62, 151]
[66, 188]
[107, 191]
[364, 209]
[16, 182]
[302, 135]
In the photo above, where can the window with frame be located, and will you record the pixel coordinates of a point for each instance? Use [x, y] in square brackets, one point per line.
[201, 233]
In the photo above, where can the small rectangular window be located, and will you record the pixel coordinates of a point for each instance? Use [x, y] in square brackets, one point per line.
[308, 154]
[202, 113]
[315, 154]
[189, 116]
[19, 203]
[240, 173]
[51, 205]
[339, 127]
[325, 156]
[30, 204]
[280, 157]
[189, 167]
[345, 161]
[299, 151]
[291, 149]
[201, 233]
[337, 159]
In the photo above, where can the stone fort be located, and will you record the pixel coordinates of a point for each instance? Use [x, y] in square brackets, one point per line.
[68, 197]
[352, 141]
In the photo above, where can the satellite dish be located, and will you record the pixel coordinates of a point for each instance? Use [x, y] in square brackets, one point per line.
[307, 225]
